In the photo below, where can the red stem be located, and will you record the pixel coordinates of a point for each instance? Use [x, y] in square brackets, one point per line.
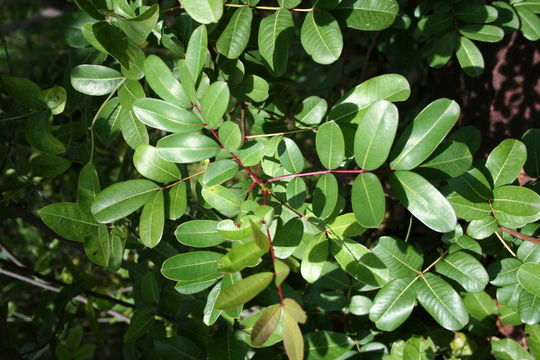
[251, 173]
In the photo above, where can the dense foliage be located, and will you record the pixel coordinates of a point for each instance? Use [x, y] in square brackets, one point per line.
[224, 180]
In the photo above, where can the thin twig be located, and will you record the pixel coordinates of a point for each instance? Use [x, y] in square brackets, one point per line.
[45, 286]
[184, 179]
[505, 244]
[278, 133]
[433, 263]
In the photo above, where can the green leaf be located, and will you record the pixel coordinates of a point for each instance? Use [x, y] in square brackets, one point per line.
[480, 305]
[150, 165]
[24, 91]
[442, 302]
[187, 81]
[243, 291]
[368, 15]
[227, 344]
[506, 161]
[251, 154]
[240, 257]
[230, 135]
[191, 265]
[211, 314]
[55, 98]
[375, 135]
[88, 186]
[311, 112]
[92, 7]
[98, 246]
[360, 305]
[199, 233]
[355, 103]
[368, 201]
[531, 139]
[400, 258]
[534, 338]
[193, 286]
[219, 172]
[290, 156]
[141, 322]
[325, 196]
[68, 220]
[361, 263]
[130, 91]
[266, 324]
[204, 11]
[252, 88]
[472, 185]
[133, 131]
[176, 201]
[152, 220]
[138, 28]
[108, 121]
[529, 252]
[529, 308]
[289, 4]
[423, 200]
[150, 288]
[49, 166]
[393, 303]
[222, 199]
[330, 145]
[475, 13]
[214, 103]
[38, 133]
[321, 37]
[275, 34]
[235, 231]
[288, 238]
[442, 50]
[486, 33]
[292, 337]
[530, 23]
[469, 57]
[325, 344]
[508, 349]
[294, 310]
[162, 115]
[161, 80]
[344, 225]
[187, 148]
[95, 80]
[296, 192]
[196, 52]
[119, 46]
[516, 201]
[450, 159]
[121, 199]
[504, 272]
[507, 17]
[528, 276]
[315, 256]
[472, 191]
[233, 40]
[176, 347]
[118, 241]
[464, 269]
[482, 228]
[424, 134]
